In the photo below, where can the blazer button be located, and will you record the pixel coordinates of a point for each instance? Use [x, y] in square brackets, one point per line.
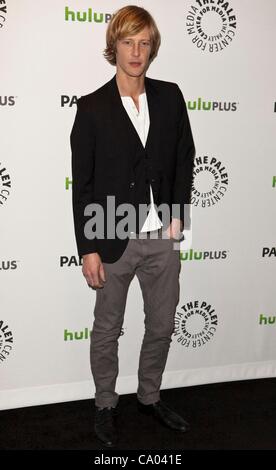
[132, 184]
[153, 180]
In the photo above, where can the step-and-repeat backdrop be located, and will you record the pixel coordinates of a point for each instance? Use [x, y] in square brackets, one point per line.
[222, 55]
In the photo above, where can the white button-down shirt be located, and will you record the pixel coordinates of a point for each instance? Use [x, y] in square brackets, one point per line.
[141, 121]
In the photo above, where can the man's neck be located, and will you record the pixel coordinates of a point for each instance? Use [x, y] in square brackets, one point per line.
[130, 86]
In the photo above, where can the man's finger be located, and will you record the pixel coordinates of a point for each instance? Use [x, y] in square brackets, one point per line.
[102, 274]
[94, 281]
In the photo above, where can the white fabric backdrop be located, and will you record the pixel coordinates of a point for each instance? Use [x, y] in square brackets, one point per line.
[225, 326]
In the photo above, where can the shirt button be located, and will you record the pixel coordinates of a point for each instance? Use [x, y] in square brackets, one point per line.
[132, 184]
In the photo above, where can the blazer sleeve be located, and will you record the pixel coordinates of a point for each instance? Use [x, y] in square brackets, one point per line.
[183, 181]
[82, 140]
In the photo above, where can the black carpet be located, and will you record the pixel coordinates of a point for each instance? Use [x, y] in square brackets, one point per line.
[224, 416]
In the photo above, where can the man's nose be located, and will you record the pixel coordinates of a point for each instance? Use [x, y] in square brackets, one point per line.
[136, 49]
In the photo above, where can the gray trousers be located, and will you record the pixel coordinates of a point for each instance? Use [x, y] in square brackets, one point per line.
[156, 262]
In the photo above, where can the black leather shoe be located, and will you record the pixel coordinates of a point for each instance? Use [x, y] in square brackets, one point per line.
[105, 426]
[165, 415]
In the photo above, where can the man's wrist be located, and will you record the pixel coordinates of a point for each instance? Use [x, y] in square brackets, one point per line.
[89, 254]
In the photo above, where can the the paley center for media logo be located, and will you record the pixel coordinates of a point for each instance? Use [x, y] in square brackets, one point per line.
[210, 181]
[269, 252]
[6, 341]
[211, 24]
[5, 184]
[3, 13]
[196, 324]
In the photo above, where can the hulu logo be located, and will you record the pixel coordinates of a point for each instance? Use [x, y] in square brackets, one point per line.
[263, 320]
[190, 255]
[76, 335]
[273, 181]
[199, 104]
[89, 15]
[68, 182]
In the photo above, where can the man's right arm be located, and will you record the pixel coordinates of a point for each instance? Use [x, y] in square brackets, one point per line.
[82, 141]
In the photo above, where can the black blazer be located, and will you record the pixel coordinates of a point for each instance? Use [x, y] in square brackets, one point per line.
[105, 148]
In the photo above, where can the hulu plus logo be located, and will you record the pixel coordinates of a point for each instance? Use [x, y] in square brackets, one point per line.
[203, 105]
[192, 255]
[267, 320]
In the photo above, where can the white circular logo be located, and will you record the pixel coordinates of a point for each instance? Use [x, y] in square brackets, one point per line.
[211, 24]
[195, 324]
[210, 181]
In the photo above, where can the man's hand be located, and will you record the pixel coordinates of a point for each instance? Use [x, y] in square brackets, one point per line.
[175, 228]
[93, 270]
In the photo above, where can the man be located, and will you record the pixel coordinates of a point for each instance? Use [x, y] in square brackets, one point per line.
[131, 140]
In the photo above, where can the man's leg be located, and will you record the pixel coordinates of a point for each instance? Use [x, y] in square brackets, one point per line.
[159, 280]
[108, 319]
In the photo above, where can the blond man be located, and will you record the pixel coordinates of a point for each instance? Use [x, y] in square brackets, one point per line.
[132, 141]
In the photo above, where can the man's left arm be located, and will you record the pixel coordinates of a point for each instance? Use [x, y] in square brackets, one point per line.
[182, 186]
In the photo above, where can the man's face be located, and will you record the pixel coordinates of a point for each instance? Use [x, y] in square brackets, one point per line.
[133, 53]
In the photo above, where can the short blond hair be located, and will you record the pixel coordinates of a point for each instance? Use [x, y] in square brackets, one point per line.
[128, 21]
